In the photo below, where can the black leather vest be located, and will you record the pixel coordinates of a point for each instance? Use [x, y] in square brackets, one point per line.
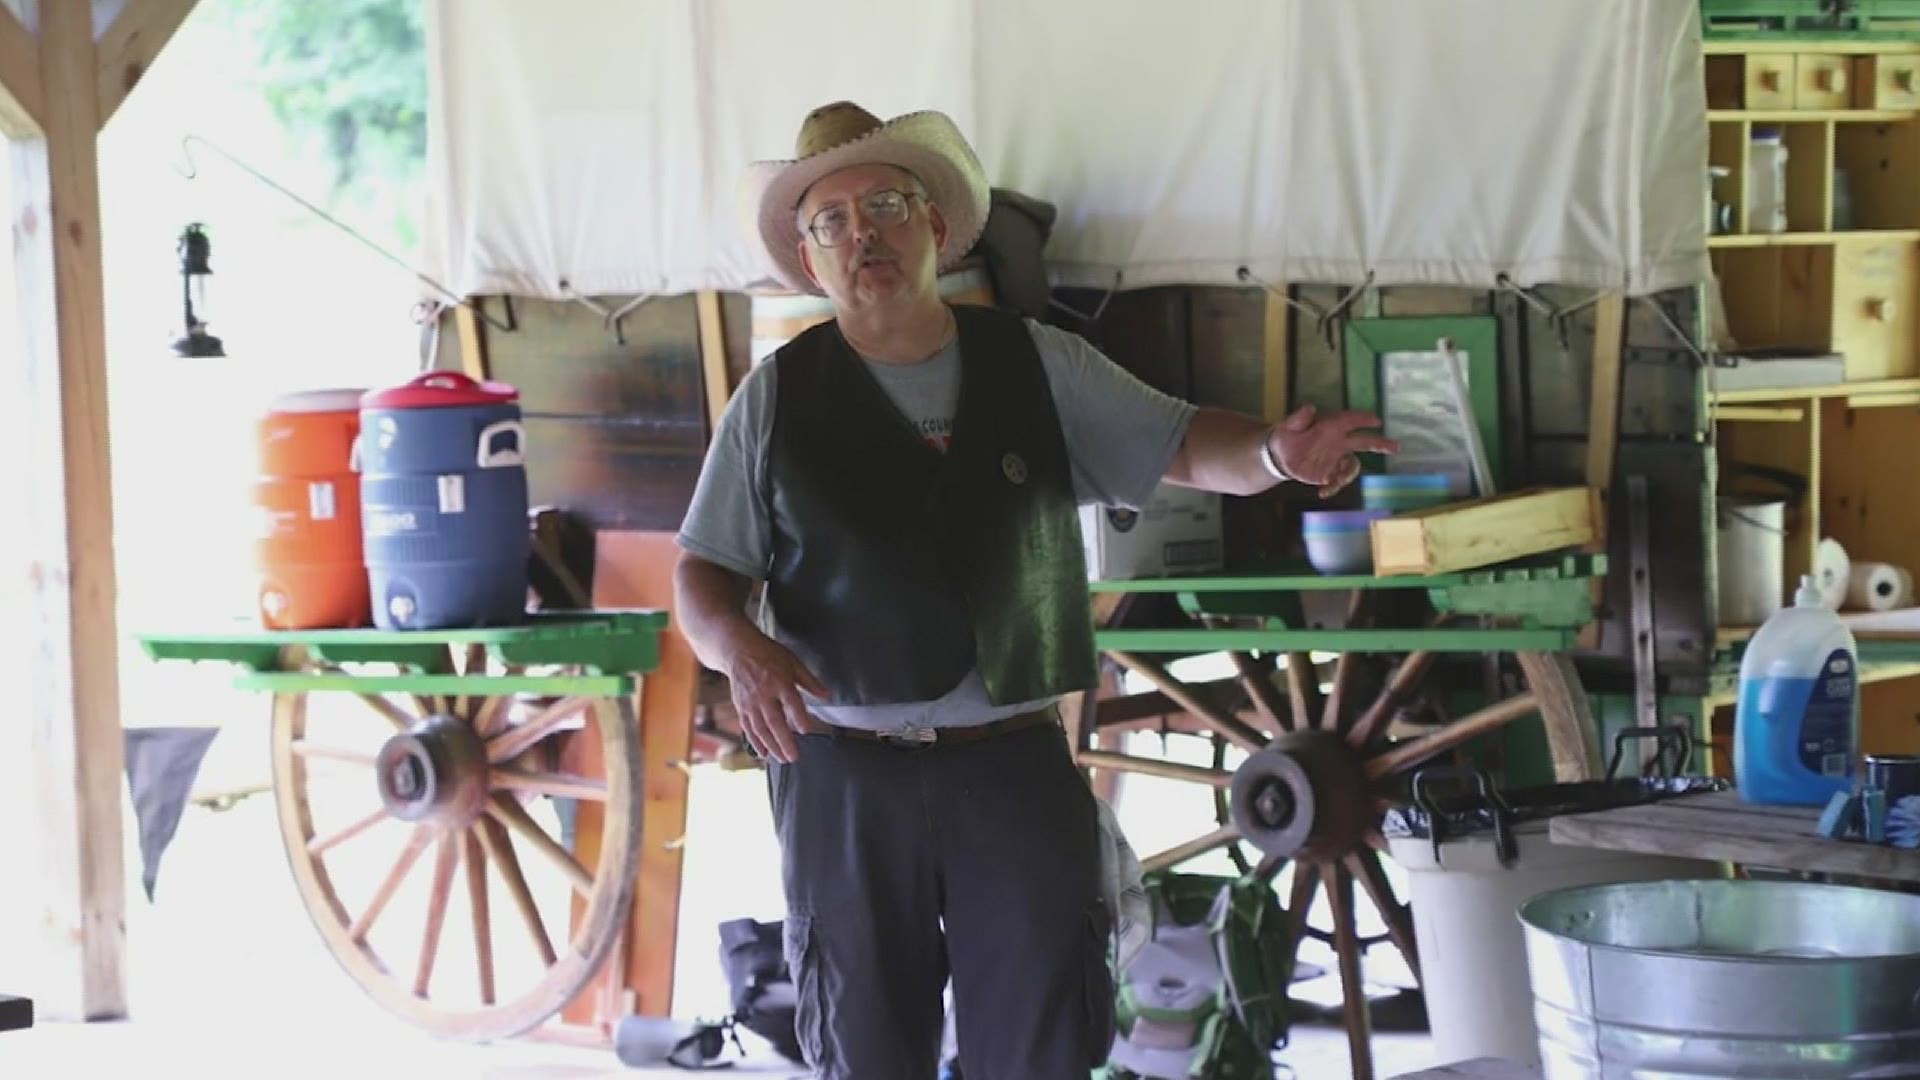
[896, 568]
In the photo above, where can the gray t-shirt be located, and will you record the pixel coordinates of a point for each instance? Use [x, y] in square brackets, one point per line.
[1121, 435]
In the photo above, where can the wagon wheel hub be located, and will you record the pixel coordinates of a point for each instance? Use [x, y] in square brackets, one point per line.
[1305, 793]
[434, 773]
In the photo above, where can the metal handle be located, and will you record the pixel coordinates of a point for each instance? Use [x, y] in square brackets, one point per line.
[1674, 738]
[1504, 844]
[500, 459]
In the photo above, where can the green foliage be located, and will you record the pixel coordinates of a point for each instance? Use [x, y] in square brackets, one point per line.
[348, 79]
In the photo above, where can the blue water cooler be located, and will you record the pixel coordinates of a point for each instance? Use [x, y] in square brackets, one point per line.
[443, 496]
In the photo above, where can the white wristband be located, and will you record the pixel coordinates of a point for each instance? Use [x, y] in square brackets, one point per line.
[1266, 458]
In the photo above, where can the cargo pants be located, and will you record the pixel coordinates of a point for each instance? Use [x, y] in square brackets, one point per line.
[903, 865]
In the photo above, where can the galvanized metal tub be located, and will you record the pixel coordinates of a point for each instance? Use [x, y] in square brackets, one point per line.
[1725, 979]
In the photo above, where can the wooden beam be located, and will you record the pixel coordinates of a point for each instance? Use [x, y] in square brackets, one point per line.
[713, 356]
[1603, 413]
[1482, 532]
[473, 341]
[1277, 354]
[73, 699]
[129, 46]
[22, 94]
[635, 569]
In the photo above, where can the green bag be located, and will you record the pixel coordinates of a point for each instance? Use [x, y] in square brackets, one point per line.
[1207, 996]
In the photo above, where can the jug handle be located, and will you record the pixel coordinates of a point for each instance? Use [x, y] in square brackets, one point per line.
[500, 459]
[444, 380]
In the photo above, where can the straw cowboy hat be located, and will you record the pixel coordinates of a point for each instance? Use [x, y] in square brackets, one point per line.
[833, 137]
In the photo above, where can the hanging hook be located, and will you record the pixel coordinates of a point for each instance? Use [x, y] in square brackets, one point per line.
[190, 169]
[1330, 319]
[1679, 335]
[609, 318]
[1097, 312]
[1280, 294]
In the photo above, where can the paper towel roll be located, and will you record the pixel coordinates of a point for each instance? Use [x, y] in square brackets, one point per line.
[1832, 573]
[1879, 587]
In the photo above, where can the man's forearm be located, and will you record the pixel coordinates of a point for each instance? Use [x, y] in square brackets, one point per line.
[1221, 452]
[710, 606]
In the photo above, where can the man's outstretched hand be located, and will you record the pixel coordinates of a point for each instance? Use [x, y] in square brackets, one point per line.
[1319, 450]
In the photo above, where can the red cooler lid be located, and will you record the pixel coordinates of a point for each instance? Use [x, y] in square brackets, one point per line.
[440, 390]
[318, 401]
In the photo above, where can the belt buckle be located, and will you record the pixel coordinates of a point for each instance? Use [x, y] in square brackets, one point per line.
[912, 735]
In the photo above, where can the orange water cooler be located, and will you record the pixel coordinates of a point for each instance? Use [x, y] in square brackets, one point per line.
[308, 553]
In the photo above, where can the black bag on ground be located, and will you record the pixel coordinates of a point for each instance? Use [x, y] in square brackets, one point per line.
[763, 991]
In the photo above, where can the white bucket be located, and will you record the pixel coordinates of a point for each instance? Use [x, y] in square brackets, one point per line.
[1473, 956]
[1752, 577]
[780, 317]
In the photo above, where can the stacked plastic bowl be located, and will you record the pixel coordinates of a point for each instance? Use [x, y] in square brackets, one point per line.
[1398, 493]
[1340, 541]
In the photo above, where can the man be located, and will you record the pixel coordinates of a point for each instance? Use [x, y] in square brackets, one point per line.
[905, 481]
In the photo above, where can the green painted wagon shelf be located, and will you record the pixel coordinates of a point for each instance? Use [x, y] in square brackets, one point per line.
[609, 646]
[1541, 606]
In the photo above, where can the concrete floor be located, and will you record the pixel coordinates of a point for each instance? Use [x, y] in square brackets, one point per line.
[214, 1049]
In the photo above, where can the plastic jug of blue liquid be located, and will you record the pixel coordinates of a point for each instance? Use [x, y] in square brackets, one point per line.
[1796, 729]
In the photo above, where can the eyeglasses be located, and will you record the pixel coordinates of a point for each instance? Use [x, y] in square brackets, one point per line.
[885, 208]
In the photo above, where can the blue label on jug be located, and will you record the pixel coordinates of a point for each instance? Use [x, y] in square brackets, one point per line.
[1826, 728]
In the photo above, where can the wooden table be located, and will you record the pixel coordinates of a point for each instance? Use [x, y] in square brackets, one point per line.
[1719, 827]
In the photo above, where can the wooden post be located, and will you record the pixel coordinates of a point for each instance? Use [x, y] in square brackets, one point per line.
[1603, 433]
[53, 107]
[1277, 345]
[473, 341]
[713, 356]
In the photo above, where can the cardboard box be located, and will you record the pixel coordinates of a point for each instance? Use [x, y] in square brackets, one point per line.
[1176, 532]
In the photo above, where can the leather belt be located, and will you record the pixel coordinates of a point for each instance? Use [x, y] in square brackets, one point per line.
[920, 737]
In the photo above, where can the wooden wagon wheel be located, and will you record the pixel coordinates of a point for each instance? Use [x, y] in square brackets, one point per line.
[1320, 775]
[459, 778]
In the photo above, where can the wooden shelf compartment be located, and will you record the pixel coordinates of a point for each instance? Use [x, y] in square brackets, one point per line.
[1857, 298]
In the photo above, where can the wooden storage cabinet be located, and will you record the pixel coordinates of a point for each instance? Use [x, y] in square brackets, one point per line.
[1844, 278]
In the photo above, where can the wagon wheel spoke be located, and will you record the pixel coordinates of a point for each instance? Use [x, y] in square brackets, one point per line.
[1365, 866]
[510, 813]
[1166, 770]
[510, 743]
[1353, 991]
[1414, 751]
[499, 848]
[1303, 690]
[1259, 687]
[320, 845]
[1306, 883]
[476, 861]
[391, 883]
[395, 715]
[561, 785]
[307, 749]
[444, 864]
[473, 663]
[1197, 846]
[1346, 668]
[1213, 716]
[1406, 678]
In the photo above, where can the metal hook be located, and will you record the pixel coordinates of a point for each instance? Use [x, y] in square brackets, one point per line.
[1330, 319]
[191, 171]
[1280, 294]
[1097, 312]
[1679, 335]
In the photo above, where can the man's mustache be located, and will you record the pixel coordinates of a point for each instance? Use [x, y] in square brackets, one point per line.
[875, 253]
